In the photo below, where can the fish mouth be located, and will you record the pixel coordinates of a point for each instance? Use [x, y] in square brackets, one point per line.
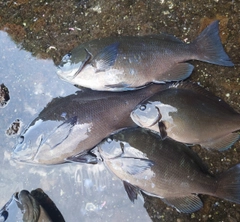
[135, 119]
[22, 158]
[23, 153]
[68, 71]
[67, 75]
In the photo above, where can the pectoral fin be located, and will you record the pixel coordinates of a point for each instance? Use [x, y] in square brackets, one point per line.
[222, 143]
[162, 130]
[133, 166]
[188, 204]
[131, 190]
[84, 157]
[61, 133]
[119, 86]
[106, 57]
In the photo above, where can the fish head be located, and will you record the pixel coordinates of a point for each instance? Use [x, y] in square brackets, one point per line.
[21, 207]
[111, 148]
[120, 145]
[43, 142]
[146, 114]
[29, 141]
[28, 205]
[10, 211]
[72, 63]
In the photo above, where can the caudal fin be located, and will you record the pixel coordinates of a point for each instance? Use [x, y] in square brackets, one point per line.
[208, 46]
[229, 185]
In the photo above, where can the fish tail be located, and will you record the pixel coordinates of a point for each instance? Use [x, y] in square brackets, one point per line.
[229, 185]
[208, 47]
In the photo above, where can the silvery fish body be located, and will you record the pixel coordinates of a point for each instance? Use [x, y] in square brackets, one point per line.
[165, 168]
[26, 207]
[71, 125]
[128, 62]
[190, 114]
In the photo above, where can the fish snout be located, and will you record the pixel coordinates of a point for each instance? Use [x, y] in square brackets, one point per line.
[23, 151]
[66, 73]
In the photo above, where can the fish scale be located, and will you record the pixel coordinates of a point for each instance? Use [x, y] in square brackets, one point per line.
[164, 168]
[190, 114]
[89, 116]
[129, 62]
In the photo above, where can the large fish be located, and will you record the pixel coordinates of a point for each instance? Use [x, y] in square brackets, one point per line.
[76, 123]
[26, 207]
[190, 114]
[165, 168]
[128, 62]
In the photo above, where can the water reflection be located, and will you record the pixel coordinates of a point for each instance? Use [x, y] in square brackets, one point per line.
[80, 192]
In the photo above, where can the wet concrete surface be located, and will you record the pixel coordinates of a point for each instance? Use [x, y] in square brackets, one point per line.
[48, 30]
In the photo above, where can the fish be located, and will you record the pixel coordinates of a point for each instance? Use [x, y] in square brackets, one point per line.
[188, 113]
[166, 169]
[75, 123]
[129, 62]
[24, 206]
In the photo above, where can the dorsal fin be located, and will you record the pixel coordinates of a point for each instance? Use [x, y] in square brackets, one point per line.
[195, 87]
[165, 36]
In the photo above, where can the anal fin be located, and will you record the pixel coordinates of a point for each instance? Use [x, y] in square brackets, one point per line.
[222, 143]
[177, 72]
[187, 204]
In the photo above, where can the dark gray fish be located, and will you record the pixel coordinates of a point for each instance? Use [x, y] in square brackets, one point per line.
[166, 169]
[188, 113]
[76, 123]
[128, 62]
[24, 206]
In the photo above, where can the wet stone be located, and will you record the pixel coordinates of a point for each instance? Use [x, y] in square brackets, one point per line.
[14, 128]
[4, 96]
[231, 219]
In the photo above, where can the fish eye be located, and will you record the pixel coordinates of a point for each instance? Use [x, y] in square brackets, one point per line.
[109, 140]
[67, 57]
[16, 195]
[20, 139]
[142, 107]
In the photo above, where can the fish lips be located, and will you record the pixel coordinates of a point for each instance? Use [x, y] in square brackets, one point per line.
[66, 74]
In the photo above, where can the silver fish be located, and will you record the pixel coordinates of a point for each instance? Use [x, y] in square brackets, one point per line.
[128, 62]
[26, 207]
[166, 169]
[76, 123]
[190, 114]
